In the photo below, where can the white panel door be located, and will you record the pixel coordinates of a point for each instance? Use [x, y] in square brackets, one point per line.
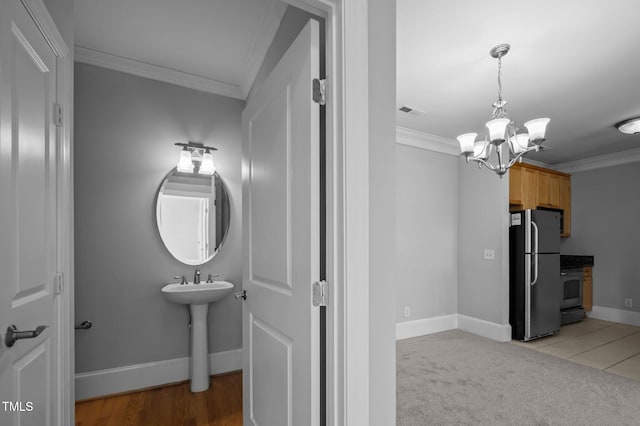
[281, 242]
[28, 240]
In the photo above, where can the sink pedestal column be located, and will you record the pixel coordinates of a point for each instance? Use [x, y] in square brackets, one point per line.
[200, 378]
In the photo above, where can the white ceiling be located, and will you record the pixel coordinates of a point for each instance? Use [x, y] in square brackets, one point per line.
[215, 45]
[574, 61]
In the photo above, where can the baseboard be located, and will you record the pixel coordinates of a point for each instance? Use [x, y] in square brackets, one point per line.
[425, 326]
[488, 329]
[421, 327]
[131, 377]
[615, 315]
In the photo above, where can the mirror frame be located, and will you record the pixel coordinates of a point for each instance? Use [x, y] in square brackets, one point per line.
[226, 232]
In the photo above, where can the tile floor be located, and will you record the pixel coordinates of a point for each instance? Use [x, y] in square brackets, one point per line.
[599, 344]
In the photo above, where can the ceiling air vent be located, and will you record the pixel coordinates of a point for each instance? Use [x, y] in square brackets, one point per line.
[410, 110]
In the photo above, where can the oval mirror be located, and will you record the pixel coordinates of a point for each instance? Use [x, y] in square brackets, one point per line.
[192, 213]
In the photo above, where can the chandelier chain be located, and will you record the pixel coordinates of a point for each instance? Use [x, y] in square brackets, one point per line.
[500, 80]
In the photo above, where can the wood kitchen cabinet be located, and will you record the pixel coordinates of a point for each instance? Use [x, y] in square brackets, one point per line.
[523, 184]
[548, 190]
[515, 186]
[531, 187]
[565, 203]
[587, 289]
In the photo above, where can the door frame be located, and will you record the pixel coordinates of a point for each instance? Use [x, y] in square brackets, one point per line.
[63, 303]
[347, 174]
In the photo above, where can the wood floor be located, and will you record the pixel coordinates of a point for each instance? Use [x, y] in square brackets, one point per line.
[175, 405]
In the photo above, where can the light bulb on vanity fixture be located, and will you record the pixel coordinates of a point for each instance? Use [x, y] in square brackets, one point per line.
[502, 129]
[206, 166]
[185, 163]
[194, 154]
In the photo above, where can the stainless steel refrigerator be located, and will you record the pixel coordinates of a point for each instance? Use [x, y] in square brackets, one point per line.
[535, 289]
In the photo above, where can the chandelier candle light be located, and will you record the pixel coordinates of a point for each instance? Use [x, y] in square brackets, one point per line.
[194, 152]
[500, 129]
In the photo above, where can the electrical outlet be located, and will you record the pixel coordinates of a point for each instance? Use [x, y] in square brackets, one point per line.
[628, 303]
[489, 254]
[407, 311]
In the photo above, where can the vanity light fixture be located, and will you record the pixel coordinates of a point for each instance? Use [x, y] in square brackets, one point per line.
[502, 129]
[194, 154]
[630, 126]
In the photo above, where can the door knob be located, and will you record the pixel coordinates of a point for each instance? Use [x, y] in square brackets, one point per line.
[13, 334]
[241, 295]
[84, 325]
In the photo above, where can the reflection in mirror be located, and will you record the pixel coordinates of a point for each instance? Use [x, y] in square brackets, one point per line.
[192, 213]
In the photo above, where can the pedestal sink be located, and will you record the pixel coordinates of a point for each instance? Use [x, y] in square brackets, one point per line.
[198, 297]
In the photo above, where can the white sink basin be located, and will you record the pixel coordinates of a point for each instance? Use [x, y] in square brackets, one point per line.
[198, 297]
[196, 294]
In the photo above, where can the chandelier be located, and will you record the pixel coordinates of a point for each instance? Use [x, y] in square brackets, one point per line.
[500, 129]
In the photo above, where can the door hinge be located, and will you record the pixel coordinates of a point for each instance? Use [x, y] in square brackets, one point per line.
[58, 286]
[58, 117]
[320, 91]
[320, 296]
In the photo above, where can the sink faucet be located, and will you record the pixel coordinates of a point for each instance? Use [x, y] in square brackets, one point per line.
[196, 277]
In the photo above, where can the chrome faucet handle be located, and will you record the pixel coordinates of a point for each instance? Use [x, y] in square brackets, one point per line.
[210, 277]
[181, 277]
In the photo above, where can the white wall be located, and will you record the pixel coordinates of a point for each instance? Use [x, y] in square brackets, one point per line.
[426, 199]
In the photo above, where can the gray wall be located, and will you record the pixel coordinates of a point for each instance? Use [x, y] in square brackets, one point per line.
[125, 128]
[382, 272]
[605, 206]
[483, 285]
[426, 233]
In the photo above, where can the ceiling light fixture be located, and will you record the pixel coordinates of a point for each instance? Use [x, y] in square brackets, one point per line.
[500, 129]
[630, 126]
[194, 154]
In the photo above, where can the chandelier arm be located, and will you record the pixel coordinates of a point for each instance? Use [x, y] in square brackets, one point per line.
[487, 164]
[515, 159]
[520, 155]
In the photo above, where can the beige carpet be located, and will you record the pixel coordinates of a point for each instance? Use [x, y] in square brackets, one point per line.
[457, 378]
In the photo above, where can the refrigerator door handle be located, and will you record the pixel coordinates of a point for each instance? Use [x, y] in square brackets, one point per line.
[535, 252]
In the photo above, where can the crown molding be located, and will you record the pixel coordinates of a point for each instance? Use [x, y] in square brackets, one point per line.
[268, 28]
[537, 163]
[601, 161]
[422, 140]
[154, 72]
